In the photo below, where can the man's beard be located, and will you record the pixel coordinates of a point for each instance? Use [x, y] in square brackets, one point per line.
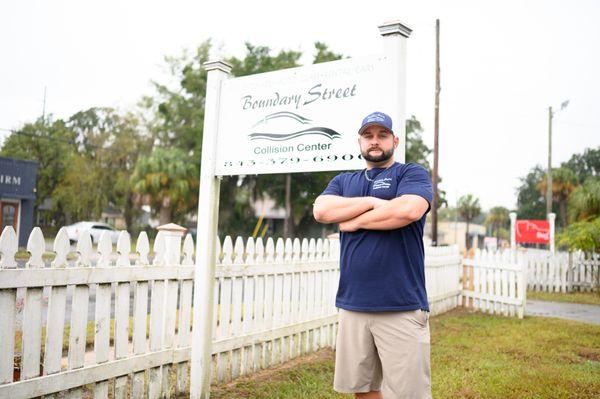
[384, 156]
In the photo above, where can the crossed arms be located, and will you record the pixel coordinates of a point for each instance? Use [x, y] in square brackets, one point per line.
[369, 213]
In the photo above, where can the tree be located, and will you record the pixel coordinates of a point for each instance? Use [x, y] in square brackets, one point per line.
[324, 54]
[497, 219]
[468, 209]
[110, 143]
[166, 178]
[584, 202]
[585, 165]
[52, 145]
[531, 204]
[417, 152]
[175, 115]
[564, 183]
[584, 236]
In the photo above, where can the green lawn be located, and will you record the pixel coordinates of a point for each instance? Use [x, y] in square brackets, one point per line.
[590, 298]
[473, 356]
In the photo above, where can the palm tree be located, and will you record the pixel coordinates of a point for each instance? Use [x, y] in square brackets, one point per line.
[584, 202]
[169, 179]
[564, 182]
[496, 219]
[468, 209]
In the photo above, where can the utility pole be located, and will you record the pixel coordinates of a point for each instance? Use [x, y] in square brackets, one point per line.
[44, 107]
[549, 173]
[434, 178]
[551, 113]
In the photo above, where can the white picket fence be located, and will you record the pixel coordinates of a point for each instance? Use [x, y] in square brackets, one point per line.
[442, 274]
[494, 282]
[561, 271]
[273, 301]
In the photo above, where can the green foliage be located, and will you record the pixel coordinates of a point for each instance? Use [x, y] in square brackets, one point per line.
[176, 115]
[468, 207]
[498, 219]
[52, 145]
[584, 235]
[324, 54]
[585, 165]
[531, 203]
[169, 179]
[258, 59]
[584, 202]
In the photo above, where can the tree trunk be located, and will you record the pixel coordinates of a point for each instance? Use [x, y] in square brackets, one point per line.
[562, 209]
[164, 215]
[467, 237]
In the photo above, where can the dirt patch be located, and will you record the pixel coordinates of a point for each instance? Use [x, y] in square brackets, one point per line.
[589, 354]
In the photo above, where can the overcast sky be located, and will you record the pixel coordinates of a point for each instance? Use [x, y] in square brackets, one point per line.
[502, 63]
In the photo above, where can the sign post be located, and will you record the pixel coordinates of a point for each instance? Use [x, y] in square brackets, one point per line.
[551, 220]
[294, 120]
[208, 208]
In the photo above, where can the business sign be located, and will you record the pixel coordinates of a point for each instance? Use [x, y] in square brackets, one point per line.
[17, 178]
[532, 231]
[301, 119]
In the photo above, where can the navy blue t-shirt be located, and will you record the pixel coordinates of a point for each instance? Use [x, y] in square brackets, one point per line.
[383, 270]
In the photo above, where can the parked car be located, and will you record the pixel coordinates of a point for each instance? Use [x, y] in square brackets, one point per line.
[95, 229]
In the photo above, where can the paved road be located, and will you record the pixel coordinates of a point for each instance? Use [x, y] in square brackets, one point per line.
[571, 311]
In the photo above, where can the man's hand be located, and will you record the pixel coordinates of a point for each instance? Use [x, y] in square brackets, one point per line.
[349, 226]
[377, 202]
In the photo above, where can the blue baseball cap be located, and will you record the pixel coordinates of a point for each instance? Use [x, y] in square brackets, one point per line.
[376, 118]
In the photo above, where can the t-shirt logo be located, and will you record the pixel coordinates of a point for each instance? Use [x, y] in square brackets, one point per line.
[382, 183]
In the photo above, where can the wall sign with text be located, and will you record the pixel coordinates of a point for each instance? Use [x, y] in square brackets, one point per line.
[300, 119]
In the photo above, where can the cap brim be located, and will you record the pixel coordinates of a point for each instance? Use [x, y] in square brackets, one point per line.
[368, 125]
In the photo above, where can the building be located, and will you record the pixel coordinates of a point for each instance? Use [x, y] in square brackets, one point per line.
[17, 196]
[450, 233]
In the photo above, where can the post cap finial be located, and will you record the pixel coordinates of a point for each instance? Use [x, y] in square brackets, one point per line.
[220, 65]
[394, 28]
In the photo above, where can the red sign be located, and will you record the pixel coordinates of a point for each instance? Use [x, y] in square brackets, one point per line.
[533, 231]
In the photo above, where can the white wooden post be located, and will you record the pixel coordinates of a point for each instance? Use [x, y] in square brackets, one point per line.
[173, 234]
[513, 232]
[394, 46]
[208, 206]
[551, 220]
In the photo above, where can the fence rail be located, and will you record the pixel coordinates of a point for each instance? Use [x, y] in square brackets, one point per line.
[494, 282]
[112, 319]
[561, 271]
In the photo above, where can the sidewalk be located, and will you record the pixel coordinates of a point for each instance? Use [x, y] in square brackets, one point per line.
[561, 310]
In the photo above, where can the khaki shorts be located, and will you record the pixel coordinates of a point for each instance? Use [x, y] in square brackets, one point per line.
[392, 347]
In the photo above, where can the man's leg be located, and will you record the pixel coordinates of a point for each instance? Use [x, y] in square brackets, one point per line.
[357, 363]
[403, 344]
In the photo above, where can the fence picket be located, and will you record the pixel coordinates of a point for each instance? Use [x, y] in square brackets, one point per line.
[102, 314]
[8, 249]
[57, 303]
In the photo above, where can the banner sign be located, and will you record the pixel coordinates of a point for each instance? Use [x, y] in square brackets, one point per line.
[532, 231]
[300, 119]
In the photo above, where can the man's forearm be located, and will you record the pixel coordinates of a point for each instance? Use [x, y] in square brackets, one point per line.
[336, 209]
[396, 213]
[379, 219]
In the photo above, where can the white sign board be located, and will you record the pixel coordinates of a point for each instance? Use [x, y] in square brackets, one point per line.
[300, 119]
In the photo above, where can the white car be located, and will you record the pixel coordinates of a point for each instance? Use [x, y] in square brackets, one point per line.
[95, 229]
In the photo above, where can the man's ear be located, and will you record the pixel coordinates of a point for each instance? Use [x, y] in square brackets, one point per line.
[396, 141]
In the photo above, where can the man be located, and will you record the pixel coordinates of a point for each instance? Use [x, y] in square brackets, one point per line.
[383, 330]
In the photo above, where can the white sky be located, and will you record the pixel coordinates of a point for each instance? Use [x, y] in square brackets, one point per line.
[502, 63]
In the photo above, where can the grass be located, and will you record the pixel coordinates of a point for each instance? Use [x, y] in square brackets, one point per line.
[472, 356]
[589, 298]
